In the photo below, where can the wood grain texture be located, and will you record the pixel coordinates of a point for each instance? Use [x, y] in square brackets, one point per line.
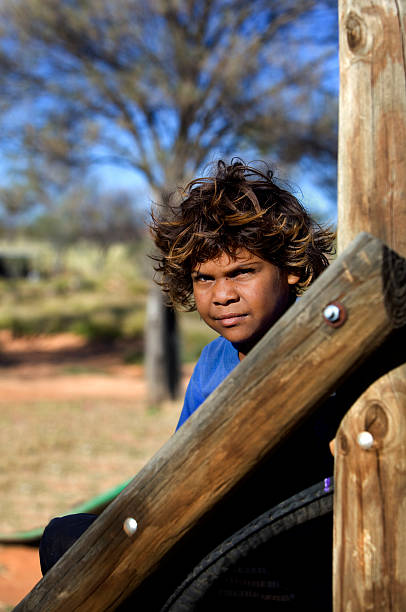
[370, 508]
[372, 132]
[294, 367]
[370, 501]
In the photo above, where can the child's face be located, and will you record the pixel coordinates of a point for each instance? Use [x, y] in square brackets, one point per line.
[241, 297]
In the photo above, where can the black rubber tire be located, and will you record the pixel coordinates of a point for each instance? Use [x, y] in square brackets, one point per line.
[305, 506]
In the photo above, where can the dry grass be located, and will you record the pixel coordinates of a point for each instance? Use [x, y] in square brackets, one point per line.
[68, 433]
[55, 455]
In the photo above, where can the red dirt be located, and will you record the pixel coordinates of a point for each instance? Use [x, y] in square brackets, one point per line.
[19, 572]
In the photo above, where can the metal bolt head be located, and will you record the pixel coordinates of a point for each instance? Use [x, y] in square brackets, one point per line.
[365, 439]
[130, 526]
[331, 313]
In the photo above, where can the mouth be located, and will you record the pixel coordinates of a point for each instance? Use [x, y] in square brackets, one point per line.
[228, 320]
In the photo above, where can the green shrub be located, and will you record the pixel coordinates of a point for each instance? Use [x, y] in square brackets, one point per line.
[133, 324]
[96, 292]
[135, 356]
[98, 326]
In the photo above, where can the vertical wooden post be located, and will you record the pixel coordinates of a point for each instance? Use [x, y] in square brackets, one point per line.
[372, 134]
[370, 504]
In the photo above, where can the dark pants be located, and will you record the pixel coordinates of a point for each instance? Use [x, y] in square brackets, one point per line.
[59, 535]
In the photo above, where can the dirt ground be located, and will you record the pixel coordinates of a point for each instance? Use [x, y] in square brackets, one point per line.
[19, 572]
[75, 421]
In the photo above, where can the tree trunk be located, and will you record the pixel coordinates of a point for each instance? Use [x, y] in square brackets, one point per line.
[161, 348]
[369, 543]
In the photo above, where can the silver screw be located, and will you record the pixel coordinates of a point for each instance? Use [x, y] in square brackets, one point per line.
[130, 526]
[331, 313]
[365, 439]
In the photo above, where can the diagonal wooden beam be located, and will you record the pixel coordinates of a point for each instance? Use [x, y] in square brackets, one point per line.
[302, 359]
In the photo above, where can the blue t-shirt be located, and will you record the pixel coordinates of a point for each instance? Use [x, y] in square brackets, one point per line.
[218, 359]
[215, 363]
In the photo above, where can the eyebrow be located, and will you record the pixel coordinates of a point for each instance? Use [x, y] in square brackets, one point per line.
[246, 264]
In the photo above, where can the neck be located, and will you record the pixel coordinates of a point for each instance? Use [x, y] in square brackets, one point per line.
[243, 350]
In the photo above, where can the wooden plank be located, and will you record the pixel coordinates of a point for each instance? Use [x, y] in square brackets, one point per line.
[369, 504]
[372, 197]
[256, 407]
[372, 133]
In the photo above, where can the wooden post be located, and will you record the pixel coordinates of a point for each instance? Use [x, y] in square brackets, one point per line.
[235, 428]
[369, 556]
[370, 510]
[372, 134]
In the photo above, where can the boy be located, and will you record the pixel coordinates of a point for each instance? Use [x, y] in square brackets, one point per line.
[239, 249]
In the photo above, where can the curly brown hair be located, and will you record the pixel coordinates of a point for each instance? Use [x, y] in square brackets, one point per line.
[240, 206]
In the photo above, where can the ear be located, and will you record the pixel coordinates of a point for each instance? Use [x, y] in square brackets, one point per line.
[292, 279]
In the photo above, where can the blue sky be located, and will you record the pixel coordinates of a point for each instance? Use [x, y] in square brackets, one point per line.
[314, 197]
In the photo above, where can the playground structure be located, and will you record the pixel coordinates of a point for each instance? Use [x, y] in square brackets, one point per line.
[369, 513]
[306, 356]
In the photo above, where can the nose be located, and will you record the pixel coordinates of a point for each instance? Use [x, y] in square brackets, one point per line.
[224, 292]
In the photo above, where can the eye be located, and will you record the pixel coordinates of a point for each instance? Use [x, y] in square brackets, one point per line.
[243, 272]
[201, 278]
